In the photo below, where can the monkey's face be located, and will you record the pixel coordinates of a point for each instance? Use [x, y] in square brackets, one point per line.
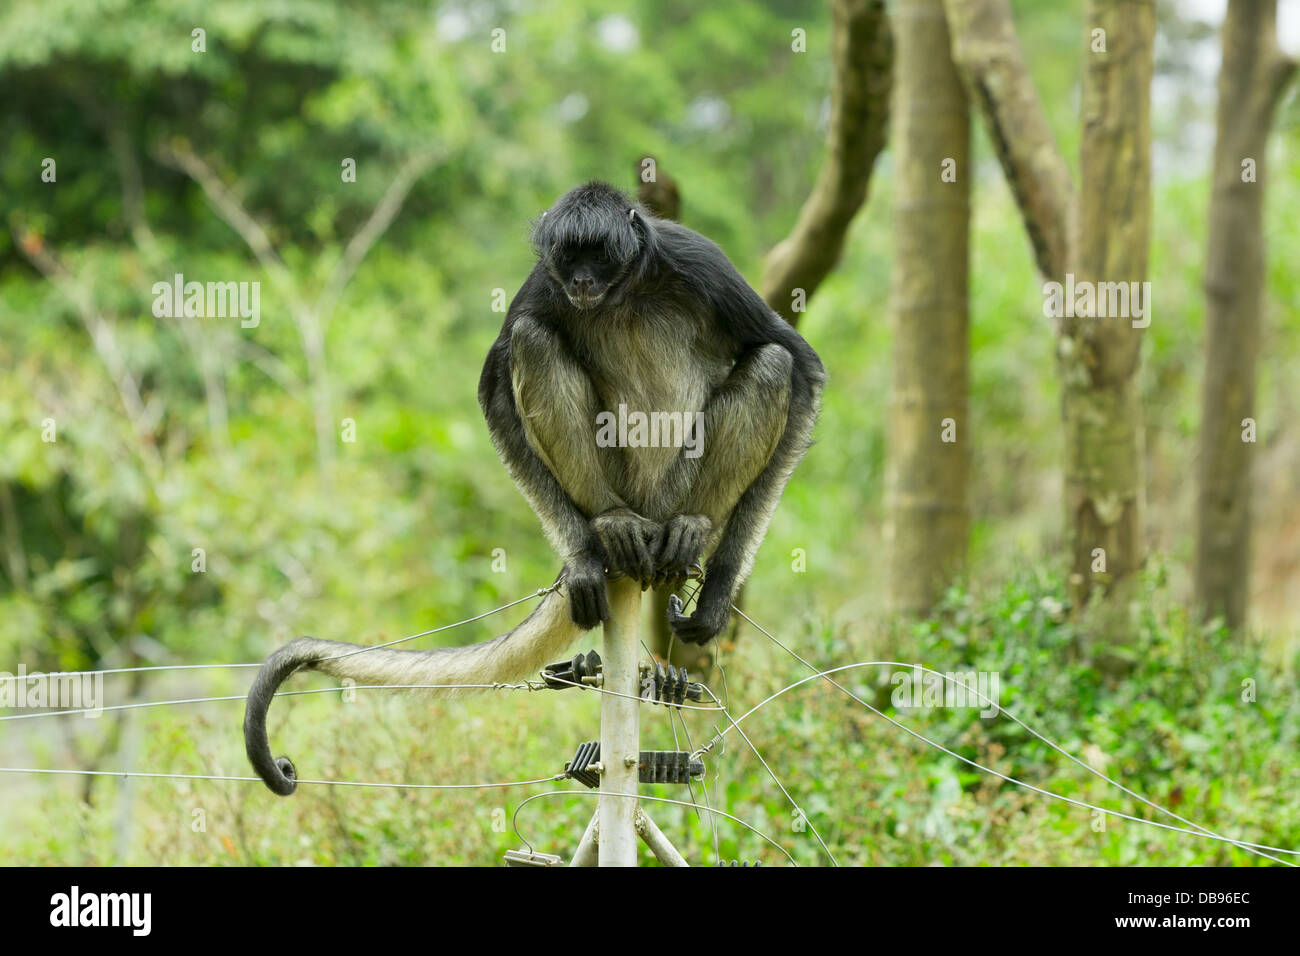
[586, 273]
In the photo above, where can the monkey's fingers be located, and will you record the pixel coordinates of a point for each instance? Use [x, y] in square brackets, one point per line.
[664, 578]
[654, 540]
[689, 552]
[631, 556]
[675, 615]
[635, 556]
[588, 604]
[580, 609]
[602, 604]
[598, 604]
[681, 624]
[617, 555]
[681, 551]
[645, 564]
[618, 546]
[629, 562]
[683, 541]
[669, 577]
[700, 628]
[671, 541]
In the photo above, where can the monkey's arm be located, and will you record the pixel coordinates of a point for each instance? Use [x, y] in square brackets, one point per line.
[567, 528]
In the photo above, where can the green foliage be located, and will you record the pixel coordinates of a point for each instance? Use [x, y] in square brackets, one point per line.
[1180, 732]
[98, 530]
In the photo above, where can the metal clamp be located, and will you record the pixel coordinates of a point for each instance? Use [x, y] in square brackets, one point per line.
[668, 685]
[585, 765]
[531, 858]
[659, 682]
[583, 669]
[654, 766]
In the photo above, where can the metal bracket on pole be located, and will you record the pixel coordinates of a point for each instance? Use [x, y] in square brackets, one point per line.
[653, 766]
[654, 838]
[585, 855]
[531, 858]
[659, 683]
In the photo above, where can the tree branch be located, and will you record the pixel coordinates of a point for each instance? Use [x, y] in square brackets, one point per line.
[178, 155]
[987, 53]
[208, 359]
[380, 219]
[141, 419]
[862, 53]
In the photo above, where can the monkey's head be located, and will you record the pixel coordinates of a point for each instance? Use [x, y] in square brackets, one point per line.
[592, 242]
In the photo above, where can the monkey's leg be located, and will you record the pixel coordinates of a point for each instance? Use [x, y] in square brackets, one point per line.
[743, 423]
[567, 528]
[559, 406]
[793, 388]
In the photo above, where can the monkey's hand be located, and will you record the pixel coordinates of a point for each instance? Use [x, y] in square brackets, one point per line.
[584, 577]
[631, 543]
[707, 622]
[683, 540]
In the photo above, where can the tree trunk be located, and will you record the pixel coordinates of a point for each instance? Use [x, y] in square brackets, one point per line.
[1099, 354]
[1251, 80]
[926, 485]
[1102, 234]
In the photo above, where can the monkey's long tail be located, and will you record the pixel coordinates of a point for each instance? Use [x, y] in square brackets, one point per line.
[539, 639]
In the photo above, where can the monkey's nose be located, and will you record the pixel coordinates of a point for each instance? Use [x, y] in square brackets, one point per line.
[583, 285]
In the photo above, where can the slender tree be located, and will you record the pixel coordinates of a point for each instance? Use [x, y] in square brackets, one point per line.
[1098, 355]
[928, 460]
[1252, 79]
[1100, 236]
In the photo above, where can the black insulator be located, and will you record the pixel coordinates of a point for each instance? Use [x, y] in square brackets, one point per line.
[570, 672]
[656, 766]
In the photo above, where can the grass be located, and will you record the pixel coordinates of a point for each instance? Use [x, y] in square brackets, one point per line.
[1182, 730]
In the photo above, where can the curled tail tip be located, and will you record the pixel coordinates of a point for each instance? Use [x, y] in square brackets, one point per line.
[277, 773]
[287, 782]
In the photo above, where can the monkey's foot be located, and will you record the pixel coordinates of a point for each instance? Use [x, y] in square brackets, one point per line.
[584, 579]
[630, 542]
[679, 549]
[701, 627]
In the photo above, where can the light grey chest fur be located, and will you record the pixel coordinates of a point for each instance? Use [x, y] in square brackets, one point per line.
[651, 363]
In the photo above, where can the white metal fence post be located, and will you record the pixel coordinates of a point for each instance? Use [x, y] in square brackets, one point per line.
[620, 731]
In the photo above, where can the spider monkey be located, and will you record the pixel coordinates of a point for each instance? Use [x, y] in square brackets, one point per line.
[623, 311]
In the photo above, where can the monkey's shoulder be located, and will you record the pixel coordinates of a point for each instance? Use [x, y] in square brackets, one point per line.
[691, 257]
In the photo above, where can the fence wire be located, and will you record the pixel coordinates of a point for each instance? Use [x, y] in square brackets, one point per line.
[718, 739]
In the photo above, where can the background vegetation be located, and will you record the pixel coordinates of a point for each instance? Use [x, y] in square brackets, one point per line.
[394, 533]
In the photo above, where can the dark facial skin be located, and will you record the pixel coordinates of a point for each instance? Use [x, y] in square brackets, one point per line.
[585, 273]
